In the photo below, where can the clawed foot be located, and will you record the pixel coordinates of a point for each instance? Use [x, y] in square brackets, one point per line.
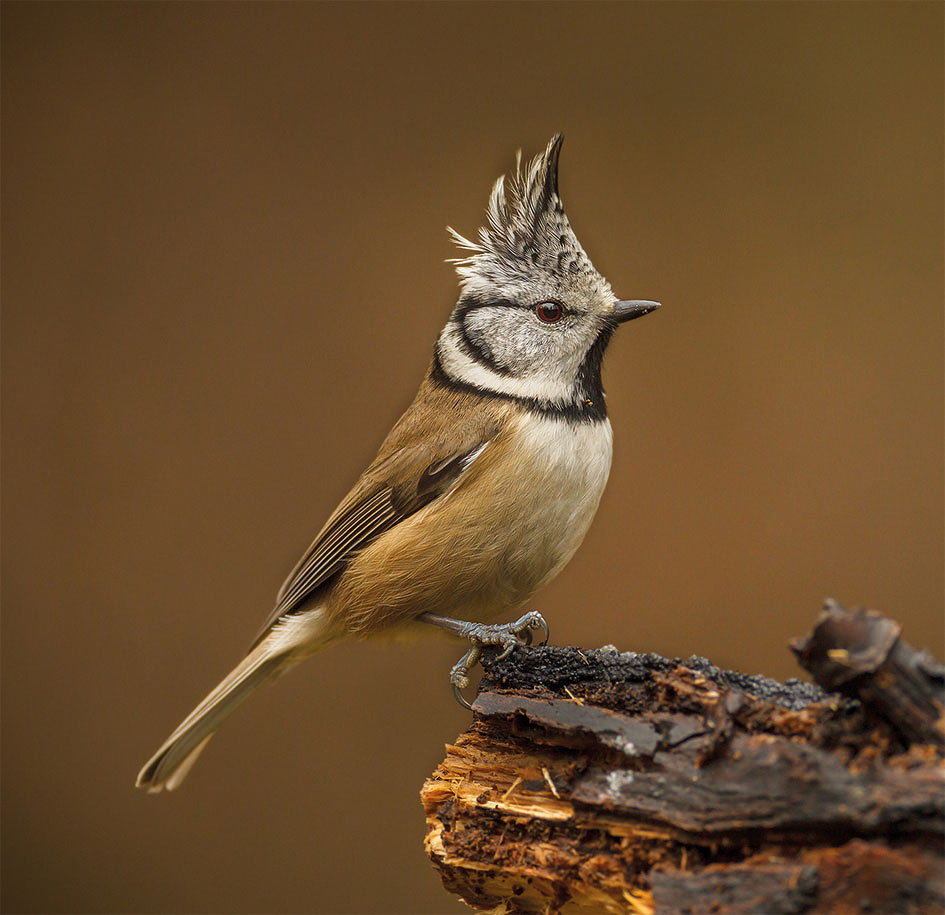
[506, 635]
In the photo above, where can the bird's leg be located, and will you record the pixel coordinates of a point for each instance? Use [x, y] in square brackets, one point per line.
[506, 635]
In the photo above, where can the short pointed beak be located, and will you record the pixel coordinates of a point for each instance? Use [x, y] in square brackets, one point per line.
[629, 309]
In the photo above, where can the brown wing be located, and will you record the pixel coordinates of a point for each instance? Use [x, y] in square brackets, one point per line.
[404, 482]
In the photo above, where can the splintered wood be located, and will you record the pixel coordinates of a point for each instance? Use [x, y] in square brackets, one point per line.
[593, 781]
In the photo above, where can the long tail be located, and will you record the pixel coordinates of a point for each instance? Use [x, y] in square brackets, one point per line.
[167, 768]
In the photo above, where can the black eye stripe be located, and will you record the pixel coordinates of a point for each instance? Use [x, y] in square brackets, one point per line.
[468, 304]
[472, 303]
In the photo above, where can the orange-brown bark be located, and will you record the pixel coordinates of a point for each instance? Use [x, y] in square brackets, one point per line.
[593, 781]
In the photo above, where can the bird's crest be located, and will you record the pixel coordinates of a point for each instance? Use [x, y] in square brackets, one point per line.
[526, 229]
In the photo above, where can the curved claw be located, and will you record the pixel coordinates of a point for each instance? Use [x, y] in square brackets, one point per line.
[460, 698]
[532, 621]
[509, 648]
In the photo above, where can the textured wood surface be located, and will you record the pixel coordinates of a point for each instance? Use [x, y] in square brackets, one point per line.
[595, 781]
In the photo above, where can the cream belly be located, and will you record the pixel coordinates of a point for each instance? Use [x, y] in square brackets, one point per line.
[510, 525]
[573, 463]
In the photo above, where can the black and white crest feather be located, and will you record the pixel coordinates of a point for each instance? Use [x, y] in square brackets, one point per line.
[526, 229]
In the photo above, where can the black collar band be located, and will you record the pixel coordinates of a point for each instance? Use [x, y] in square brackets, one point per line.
[588, 409]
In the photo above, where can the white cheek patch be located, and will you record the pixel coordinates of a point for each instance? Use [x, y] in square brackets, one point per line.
[461, 365]
[489, 331]
[511, 343]
[512, 339]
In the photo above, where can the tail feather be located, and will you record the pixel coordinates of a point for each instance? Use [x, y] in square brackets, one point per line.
[180, 773]
[167, 768]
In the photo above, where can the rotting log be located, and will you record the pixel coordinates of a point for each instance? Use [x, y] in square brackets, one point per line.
[596, 781]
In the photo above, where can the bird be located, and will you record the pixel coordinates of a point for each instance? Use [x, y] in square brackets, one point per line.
[483, 489]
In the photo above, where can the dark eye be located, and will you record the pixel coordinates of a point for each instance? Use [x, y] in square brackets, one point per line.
[549, 312]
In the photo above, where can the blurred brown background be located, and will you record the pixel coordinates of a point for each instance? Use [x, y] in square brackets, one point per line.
[223, 246]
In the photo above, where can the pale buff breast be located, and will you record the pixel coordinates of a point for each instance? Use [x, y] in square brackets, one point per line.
[510, 525]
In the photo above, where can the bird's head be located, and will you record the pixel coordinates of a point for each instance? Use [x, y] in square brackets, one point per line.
[533, 316]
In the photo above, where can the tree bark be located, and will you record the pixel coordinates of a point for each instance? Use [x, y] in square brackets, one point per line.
[595, 781]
